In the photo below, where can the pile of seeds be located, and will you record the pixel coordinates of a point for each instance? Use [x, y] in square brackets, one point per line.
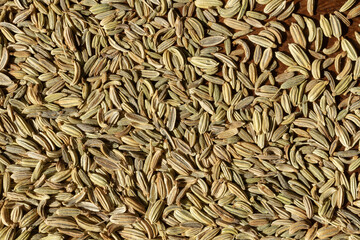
[179, 119]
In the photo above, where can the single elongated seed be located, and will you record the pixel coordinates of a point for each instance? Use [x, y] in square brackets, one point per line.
[262, 41]
[349, 49]
[347, 5]
[310, 7]
[300, 56]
